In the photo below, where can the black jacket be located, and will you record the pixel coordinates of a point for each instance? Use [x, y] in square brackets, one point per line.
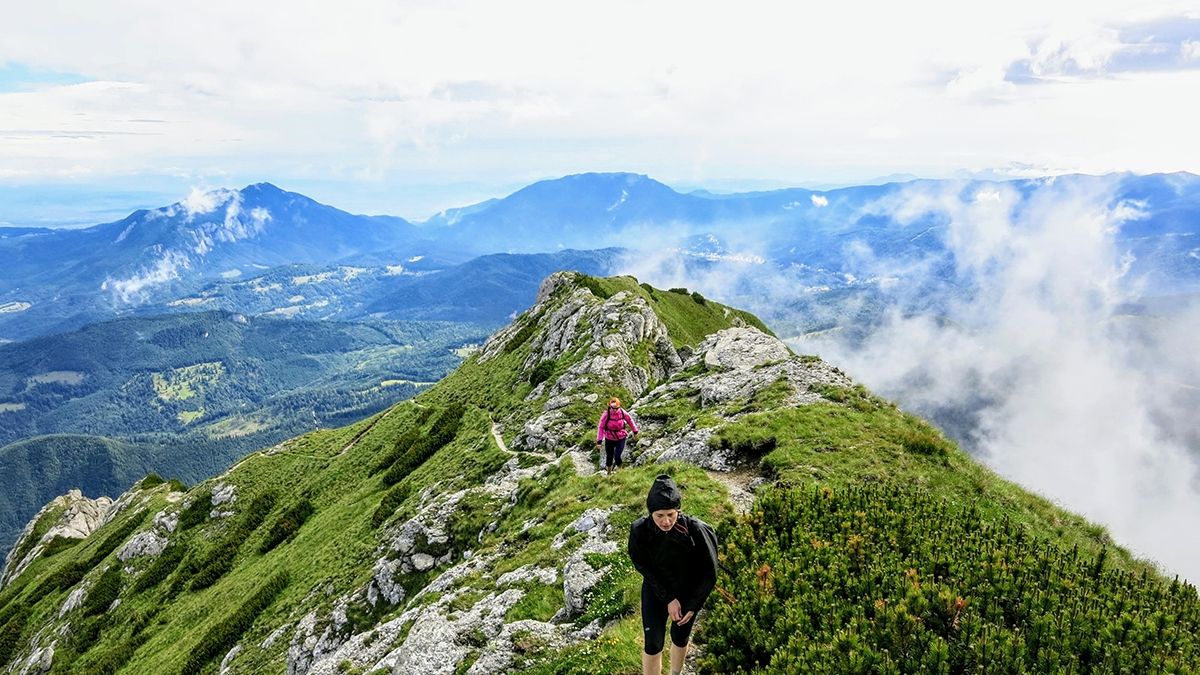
[676, 565]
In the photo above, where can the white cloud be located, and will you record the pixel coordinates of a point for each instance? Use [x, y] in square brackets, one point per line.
[201, 201]
[1076, 412]
[319, 95]
[136, 288]
[1080, 403]
[819, 200]
[1189, 50]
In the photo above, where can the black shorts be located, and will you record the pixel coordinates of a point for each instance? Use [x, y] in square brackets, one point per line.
[654, 623]
[612, 452]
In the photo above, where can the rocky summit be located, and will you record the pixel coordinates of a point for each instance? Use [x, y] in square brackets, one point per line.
[468, 530]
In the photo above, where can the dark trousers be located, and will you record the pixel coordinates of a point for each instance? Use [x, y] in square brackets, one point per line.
[654, 623]
[612, 452]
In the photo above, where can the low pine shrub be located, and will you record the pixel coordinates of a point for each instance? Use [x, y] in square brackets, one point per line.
[895, 580]
[225, 634]
[541, 373]
[104, 592]
[443, 430]
[161, 568]
[287, 525]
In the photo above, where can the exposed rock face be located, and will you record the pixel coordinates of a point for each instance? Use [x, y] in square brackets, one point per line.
[229, 657]
[80, 516]
[222, 493]
[167, 521]
[528, 573]
[75, 599]
[738, 363]
[148, 543]
[608, 331]
[578, 575]
[383, 583]
[40, 661]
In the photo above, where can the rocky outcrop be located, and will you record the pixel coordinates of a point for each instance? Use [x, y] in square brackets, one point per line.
[222, 493]
[149, 543]
[578, 574]
[608, 332]
[78, 517]
[733, 365]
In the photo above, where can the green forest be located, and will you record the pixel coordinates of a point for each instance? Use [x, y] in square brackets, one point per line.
[183, 395]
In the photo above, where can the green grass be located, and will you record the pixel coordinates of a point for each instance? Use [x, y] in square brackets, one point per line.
[688, 320]
[866, 440]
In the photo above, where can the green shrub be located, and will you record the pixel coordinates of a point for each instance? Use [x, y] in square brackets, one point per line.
[220, 560]
[541, 373]
[680, 291]
[161, 568]
[57, 544]
[698, 298]
[411, 435]
[890, 579]
[287, 525]
[104, 592]
[225, 634]
[443, 430]
[196, 512]
[522, 336]
[391, 499]
[11, 632]
[215, 565]
[151, 480]
[595, 286]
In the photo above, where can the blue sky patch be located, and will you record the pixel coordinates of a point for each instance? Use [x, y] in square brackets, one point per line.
[21, 77]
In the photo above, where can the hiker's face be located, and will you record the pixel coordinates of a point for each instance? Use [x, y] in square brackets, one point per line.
[613, 406]
[665, 518]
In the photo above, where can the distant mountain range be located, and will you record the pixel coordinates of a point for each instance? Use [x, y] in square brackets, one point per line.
[210, 242]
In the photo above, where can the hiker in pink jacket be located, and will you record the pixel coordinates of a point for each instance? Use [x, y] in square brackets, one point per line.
[611, 431]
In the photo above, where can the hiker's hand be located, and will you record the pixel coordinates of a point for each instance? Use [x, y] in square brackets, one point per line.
[674, 610]
[686, 618]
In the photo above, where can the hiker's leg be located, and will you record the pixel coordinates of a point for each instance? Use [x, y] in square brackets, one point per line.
[608, 453]
[618, 448]
[654, 631]
[677, 656]
[679, 643]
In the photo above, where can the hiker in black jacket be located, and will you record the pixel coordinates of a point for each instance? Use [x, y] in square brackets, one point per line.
[677, 558]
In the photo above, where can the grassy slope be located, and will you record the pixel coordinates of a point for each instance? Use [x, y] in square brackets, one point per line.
[335, 549]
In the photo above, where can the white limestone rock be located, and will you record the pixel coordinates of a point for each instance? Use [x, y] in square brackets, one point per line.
[75, 599]
[148, 543]
[528, 574]
[229, 657]
[79, 518]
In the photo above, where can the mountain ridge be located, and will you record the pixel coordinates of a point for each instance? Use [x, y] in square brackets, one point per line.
[468, 531]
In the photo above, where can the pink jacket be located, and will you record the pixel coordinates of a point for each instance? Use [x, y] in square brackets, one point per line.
[614, 429]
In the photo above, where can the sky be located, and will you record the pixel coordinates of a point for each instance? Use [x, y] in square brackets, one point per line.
[411, 107]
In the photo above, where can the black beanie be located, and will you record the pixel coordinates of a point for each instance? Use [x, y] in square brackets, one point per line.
[663, 494]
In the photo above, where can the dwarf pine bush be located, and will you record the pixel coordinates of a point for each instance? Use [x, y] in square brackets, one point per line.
[885, 579]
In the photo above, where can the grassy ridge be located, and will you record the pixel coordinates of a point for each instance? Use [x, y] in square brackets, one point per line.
[316, 509]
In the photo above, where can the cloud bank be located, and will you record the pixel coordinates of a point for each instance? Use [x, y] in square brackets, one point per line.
[1065, 390]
